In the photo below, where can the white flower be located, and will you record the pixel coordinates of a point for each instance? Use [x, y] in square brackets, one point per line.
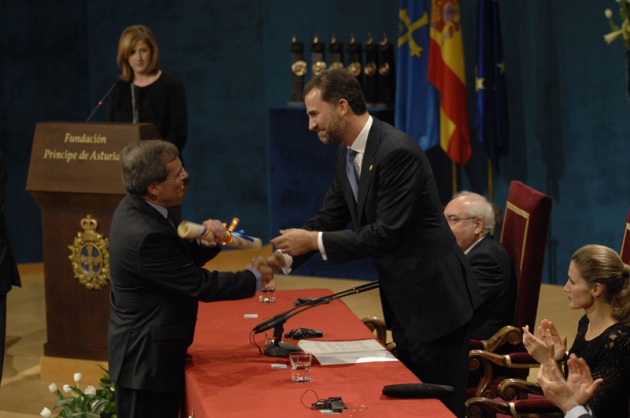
[90, 390]
[77, 377]
[66, 388]
[46, 413]
[52, 388]
[608, 13]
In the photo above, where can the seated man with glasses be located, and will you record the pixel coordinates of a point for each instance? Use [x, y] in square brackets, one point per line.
[471, 218]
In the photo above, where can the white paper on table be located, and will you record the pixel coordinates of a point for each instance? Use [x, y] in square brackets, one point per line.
[347, 352]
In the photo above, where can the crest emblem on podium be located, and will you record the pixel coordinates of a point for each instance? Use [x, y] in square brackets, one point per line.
[90, 256]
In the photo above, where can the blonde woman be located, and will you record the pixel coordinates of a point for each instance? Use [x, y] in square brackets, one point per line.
[598, 282]
[145, 93]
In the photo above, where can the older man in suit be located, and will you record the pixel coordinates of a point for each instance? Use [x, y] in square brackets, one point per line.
[384, 185]
[9, 275]
[157, 281]
[471, 218]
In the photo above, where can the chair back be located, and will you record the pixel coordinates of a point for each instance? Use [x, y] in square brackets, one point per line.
[625, 242]
[524, 236]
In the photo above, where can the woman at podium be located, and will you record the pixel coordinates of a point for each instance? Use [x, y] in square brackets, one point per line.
[144, 93]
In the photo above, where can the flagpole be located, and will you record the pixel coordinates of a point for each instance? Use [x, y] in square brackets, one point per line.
[490, 182]
[454, 175]
[497, 208]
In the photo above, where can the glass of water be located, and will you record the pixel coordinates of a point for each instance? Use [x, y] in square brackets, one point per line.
[300, 366]
[268, 293]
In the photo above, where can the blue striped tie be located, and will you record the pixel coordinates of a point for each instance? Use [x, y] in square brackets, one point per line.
[352, 174]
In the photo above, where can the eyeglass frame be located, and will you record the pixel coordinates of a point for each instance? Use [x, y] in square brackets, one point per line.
[453, 219]
[180, 174]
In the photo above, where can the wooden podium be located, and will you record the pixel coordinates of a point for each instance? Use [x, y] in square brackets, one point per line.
[75, 172]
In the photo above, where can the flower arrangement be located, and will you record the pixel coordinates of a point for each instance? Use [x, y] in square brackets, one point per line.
[86, 403]
[622, 32]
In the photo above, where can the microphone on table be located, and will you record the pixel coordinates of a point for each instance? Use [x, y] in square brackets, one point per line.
[237, 239]
[100, 102]
[279, 349]
[417, 391]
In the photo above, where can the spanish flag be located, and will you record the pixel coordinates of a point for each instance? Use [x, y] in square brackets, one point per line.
[446, 73]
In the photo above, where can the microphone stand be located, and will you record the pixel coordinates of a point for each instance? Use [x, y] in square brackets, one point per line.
[100, 102]
[280, 349]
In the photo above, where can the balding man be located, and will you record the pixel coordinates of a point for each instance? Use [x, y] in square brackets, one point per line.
[471, 218]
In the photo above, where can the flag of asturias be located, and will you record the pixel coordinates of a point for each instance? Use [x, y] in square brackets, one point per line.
[491, 119]
[416, 111]
[447, 74]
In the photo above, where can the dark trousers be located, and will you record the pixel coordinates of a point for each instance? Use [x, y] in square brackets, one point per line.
[444, 362]
[136, 403]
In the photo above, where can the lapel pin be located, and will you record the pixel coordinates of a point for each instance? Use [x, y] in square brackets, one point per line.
[371, 166]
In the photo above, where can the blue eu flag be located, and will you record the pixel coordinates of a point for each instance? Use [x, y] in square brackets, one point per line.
[416, 110]
[491, 119]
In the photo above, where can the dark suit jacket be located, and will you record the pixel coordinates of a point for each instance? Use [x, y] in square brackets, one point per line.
[9, 275]
[497, 284]
[156, 284]
[427, 286]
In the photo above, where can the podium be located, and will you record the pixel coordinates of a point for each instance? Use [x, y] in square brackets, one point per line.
[74, 172]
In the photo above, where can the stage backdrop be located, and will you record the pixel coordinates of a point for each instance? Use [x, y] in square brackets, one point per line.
[566, 99]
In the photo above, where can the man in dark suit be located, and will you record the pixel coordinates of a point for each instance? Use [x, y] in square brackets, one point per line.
[428, 291]
[9, 275]
[471, 218]
[157, 281]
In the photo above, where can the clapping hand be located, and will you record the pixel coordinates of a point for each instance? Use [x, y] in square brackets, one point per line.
[536, 347]
[548, 346]
[549, 334]
[581, 380]
[555, 388]
[566, 394]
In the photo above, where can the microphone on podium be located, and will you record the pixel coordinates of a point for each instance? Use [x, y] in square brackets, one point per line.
[100, 102]
[237, 239]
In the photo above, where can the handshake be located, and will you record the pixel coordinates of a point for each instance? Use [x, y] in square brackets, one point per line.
[267, 266]
[292, 242]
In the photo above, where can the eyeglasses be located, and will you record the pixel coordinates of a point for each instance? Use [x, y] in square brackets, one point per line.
[452, 219]
[180, 174]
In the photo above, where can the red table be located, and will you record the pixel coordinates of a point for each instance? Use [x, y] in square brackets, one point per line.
[227, 377]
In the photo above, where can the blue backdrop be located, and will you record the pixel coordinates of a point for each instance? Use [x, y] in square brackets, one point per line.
[566, 96]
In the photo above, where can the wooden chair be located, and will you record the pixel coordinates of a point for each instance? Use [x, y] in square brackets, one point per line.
[527, 408]
[378, 327]
[519, 398]
[524, 236]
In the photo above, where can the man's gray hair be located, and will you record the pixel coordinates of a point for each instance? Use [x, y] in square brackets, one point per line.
[144, 162]
[477, 206]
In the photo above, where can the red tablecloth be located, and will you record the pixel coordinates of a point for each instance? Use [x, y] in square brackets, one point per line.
[227, 377]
